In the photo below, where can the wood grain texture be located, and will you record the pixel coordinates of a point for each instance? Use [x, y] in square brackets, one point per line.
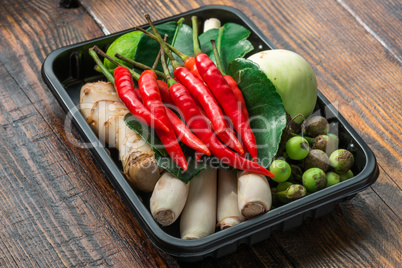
[57, 209]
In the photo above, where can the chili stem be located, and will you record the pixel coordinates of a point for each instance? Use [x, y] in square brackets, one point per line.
[197, 49]
[163, 44]
[103, 54]
[169, 79]
[138, 64]
[179, 24]
[158, 57]
[181, 55]
[104, 70]
[98, 69]
[217, 58]
[219, 41]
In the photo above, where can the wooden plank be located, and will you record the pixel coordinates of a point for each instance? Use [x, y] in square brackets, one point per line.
[55, 214]
[354, 235]
[57, 207]
[386, 29]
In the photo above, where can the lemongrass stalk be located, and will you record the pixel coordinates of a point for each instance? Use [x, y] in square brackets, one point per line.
[211, 23]
[198, 218]
[254, 194]
[228, 213]
[168, 199]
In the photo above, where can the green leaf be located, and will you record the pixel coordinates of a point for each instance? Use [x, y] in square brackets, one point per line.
[184, 41]
[267, 114]
[193, 169]
[146, 132]
[231, 42]
[162, 158]
[205, 43]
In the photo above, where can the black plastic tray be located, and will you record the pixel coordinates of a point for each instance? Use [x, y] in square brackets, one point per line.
[66, 69]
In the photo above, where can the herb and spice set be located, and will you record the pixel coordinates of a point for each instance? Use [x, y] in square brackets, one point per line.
[177, 103]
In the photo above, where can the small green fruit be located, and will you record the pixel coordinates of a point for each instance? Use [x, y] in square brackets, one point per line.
[332, 178]
[297, 148]
[341, 160]
[346, 176]
[314, 179]
[281, 170]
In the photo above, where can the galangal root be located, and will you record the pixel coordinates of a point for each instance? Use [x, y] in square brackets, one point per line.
[104, 112]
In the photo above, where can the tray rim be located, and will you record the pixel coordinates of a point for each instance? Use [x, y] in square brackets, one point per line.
[207, 245]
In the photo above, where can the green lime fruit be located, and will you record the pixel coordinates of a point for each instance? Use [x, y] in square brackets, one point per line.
[125, 45]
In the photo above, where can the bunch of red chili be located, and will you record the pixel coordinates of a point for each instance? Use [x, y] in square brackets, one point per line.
[204, 95]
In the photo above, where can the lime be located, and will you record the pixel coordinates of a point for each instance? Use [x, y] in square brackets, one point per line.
[125, 45]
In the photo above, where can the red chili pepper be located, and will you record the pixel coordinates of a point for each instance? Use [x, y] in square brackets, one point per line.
[164, 91]
[137, 93]
[227, 135]
[148, 87]
[201, 94]
[125, 89]
[239, 95]
[224, 95]
[185, 135]
[198, 156]
[198, 124]
[226, 98]
[231, 82]
[204, 96]
[189, 64]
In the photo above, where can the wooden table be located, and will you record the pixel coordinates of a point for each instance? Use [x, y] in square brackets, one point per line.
[58, 209]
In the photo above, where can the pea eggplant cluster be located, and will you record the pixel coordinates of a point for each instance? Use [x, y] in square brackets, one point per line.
[311, 161]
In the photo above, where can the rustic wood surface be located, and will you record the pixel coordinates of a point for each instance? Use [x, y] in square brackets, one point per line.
[57, 209]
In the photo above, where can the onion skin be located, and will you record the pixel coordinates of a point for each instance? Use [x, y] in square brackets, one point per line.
[254, 194]
[198, 218]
